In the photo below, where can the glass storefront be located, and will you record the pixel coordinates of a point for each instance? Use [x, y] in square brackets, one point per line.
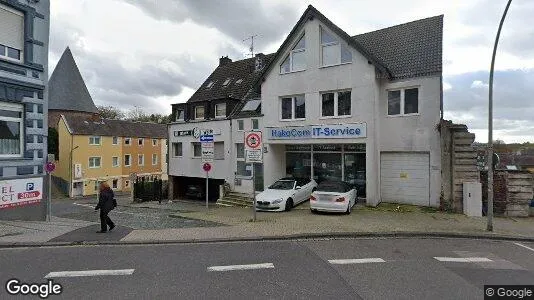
[345, 162]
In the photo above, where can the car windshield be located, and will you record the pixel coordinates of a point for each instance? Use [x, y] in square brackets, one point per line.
[283, 185]
[329, 186]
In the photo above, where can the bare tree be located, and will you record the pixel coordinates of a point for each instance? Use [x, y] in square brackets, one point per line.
[110, 112]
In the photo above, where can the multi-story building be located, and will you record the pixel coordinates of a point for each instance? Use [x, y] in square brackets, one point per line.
[24, 35]
[94, 150]
[363, 109]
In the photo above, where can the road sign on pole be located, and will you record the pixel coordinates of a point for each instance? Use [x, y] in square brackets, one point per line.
[207, 168]
[253, 147]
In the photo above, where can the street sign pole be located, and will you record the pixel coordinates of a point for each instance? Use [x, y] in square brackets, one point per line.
[254, 191]
[207, 179]
[49, 196]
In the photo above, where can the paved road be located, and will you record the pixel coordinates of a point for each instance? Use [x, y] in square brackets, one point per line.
[383, 269]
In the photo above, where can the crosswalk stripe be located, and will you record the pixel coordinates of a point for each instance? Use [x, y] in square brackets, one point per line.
[526, 247]
[89, 273]
[463, 259]
[355, 261]
[240, 267]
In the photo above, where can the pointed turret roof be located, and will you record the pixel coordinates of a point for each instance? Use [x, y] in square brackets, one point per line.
[66, 88]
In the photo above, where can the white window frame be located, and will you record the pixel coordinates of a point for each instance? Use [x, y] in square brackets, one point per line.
[242, 122]
[193, 149]
[130, 160]
[94, 166]
[118, 162]
[335, 43]
[178, 114]
[257, 123]
[140, 159]
[128, 141]
[220, 116]
[21, 51]
[115, 142]
[92, 139]
[154, 155]
[200, 106]
[154, 142]
[336, 105]
[293, 101]
[181, 148]
[140, 142]
[402, 91]
[290, 55]
[17, 108]
[241, 159]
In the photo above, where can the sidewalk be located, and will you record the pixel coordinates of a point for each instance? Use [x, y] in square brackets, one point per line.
[37, 231]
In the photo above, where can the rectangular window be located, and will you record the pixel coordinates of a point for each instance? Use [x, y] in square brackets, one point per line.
[94, 140]
[11, 122]
[296, 59]
[12, 33]
[218, 150]
[127, 160]
[94, 162]
[177, 149]
[115, 140]
[199, 112]
[293, 108]
[141, 141]
[180, 115]
[115, 183]
[244, 169]
[403, 102]
[115, 161]
[336, 104]
[240, 150]
[220, 110]
[127, 141]
[240, 125]
[141, 159]
[154, 142]
[255, 124]
[154, 159]
[332, 51]
[197, 150]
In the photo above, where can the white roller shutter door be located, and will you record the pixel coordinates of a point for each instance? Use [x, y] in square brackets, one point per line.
[404, 178]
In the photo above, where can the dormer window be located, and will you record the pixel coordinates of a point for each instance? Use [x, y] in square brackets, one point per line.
[226, 82]
[296, 59]
[199, 112]
[332, 51]
[220, 110]
[210, 84]
[179, 115]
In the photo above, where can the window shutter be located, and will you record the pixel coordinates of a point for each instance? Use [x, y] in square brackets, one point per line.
[11, 28]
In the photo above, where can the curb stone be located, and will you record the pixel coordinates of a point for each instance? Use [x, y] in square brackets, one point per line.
[312, 236]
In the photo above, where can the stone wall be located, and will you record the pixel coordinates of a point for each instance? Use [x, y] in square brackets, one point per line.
[459, 164]
[512, 192]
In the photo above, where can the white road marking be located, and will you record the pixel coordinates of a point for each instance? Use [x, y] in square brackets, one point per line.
[526, 247]
[355, 261]
[240, 267]
[463, 259]
[89, 273]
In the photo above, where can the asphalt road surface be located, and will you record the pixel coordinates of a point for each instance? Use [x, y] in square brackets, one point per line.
[305, 269]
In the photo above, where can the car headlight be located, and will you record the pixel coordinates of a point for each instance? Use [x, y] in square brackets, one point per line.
[277, 201]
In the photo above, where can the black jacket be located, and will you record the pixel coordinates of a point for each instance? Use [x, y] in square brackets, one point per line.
[105, 200]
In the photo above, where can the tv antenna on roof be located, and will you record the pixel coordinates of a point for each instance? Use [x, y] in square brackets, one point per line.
[251, 38]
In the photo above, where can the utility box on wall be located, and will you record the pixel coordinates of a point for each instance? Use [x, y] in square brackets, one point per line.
[473, 199]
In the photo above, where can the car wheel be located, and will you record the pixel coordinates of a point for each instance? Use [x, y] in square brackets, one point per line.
[313, 211]
[289, 204]
[348, 209]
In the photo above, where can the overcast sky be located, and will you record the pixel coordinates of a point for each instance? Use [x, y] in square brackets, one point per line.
[152, 53]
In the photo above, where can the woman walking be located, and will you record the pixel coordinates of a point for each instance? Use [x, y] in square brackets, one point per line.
[106, 203]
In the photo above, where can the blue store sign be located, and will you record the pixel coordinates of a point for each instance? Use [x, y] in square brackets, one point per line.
[337, 131]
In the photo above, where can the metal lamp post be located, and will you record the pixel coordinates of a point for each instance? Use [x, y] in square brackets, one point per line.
[490, 124]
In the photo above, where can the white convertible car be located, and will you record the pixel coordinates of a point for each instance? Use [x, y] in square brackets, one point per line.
[285, 193]
[333, 196]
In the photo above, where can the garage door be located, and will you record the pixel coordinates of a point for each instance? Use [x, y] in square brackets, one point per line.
[404, 178]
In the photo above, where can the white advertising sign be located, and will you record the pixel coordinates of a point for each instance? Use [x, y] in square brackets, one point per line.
[20, 192]
[208, 152]
[78, 171]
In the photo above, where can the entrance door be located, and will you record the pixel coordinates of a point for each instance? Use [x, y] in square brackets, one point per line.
[404, 178]
[77, 189]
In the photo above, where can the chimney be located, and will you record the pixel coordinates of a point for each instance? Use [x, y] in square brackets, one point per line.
[224, 60]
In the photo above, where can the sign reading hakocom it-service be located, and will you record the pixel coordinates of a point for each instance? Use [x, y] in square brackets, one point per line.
[337, 131]
[20, 192]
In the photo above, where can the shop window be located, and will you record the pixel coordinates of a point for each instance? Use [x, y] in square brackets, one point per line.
[197, 149]
[296, 59]
[403, 102]
[336, 104]
[11, 122]
[177, 149]
[293, 108]
[298, 165]
[218, 150]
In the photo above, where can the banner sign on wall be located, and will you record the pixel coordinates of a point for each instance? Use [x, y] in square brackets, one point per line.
[334, 131]
[20, 192]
